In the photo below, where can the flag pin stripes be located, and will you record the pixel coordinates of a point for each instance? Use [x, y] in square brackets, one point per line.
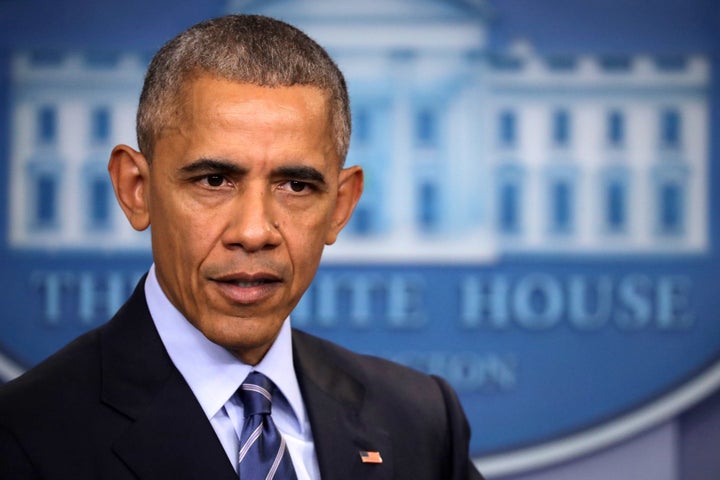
[370, 457]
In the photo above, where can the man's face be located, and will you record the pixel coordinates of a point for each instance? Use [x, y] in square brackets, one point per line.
[242, 195]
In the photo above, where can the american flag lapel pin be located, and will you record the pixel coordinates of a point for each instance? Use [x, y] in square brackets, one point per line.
[370, 457]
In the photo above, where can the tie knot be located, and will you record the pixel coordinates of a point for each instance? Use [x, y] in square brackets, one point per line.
[256, 394]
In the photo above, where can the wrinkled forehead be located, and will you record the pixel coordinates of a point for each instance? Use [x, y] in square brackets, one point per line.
[197, 90]
[208, 94]
[228, 112]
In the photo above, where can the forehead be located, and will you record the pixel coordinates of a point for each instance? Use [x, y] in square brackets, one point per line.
[226, 114]
[209, 98]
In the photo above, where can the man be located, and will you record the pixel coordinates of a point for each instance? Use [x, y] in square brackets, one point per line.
[243, 127]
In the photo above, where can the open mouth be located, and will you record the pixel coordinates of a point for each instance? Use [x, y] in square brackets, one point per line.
[249, 284]
[248, 279]
[248, 288]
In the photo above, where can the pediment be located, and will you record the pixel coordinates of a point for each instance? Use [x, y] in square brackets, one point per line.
[390, 24]
[367, 10]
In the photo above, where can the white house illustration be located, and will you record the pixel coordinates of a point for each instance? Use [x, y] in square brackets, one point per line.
[469, 153]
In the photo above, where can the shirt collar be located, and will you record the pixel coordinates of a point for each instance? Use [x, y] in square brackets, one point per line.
[211, 371]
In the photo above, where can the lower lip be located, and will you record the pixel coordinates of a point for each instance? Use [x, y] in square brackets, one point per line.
[247, 295]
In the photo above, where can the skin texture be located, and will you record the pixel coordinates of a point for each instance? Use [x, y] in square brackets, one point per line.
[243, 193]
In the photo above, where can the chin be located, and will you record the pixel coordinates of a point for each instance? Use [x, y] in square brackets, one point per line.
[247, 337]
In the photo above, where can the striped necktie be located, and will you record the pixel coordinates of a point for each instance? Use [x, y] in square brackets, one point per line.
[263, 452]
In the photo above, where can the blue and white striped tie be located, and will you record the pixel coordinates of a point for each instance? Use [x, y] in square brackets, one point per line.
[263, 452]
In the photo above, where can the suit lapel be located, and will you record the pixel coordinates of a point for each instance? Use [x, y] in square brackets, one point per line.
[173, 439]
[334, 402]
[170, 436]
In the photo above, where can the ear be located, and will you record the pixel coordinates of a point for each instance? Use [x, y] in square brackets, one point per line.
[130, 175]
[350, 187]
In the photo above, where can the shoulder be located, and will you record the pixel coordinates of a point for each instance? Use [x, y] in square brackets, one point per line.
[421, 412]
[354, 363]
[56, 380]
[49, 404]
[73, 373]
[383, 381]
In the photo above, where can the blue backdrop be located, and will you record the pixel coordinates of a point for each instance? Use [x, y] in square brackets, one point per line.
[539, 221]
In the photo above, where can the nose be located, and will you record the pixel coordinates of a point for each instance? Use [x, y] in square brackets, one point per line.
[251, 226]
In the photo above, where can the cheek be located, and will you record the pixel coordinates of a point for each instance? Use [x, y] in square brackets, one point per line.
[182, 235]
[308, 226]
[304, 237]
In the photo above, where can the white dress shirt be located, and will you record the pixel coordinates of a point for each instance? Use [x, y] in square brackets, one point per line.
[214, 375]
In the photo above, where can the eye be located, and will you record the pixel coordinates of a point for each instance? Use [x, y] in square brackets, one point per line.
[215, 180]
[297, 186]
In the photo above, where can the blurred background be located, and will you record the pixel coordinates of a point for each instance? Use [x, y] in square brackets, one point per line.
[539, 223]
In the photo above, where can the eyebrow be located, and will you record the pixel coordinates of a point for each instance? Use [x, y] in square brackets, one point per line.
[296, 172]
[301, 172]
[203, 165]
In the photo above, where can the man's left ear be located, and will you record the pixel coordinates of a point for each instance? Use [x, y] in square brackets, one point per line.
[350, 187]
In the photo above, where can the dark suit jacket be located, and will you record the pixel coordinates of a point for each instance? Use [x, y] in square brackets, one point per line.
[111, 405]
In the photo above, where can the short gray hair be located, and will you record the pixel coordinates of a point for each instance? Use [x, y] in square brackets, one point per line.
[251, 49]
